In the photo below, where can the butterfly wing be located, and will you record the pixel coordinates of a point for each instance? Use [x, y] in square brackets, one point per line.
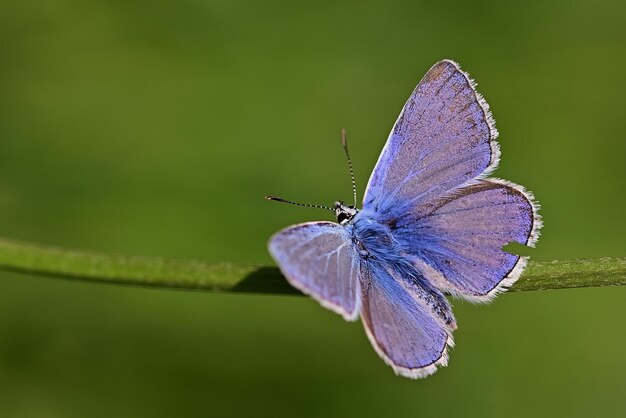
[456, 242]
[444, 137]
[427, 187]
[319, 258]
[408, 325]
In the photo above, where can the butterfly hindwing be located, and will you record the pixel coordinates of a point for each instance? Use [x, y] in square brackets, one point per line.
[443, 138]
[457, 241]
[319, 259]
[403, 324]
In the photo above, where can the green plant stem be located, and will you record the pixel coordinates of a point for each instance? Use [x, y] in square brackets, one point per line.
[230, 277]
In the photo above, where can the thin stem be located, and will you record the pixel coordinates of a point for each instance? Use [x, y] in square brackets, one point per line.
[230, 277]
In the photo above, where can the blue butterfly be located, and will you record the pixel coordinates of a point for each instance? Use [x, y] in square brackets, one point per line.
[432, 223]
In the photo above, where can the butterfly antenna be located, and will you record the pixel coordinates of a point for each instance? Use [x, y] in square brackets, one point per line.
[344, 143]
[279, 199]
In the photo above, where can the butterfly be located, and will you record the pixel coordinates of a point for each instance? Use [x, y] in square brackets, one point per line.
[432, 224]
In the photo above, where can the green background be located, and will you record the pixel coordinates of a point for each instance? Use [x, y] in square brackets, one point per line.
[156, 128]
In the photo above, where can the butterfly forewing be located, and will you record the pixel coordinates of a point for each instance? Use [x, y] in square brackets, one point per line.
[319, 258]
[443, 138]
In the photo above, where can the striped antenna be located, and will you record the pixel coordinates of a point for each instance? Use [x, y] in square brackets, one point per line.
[344, 143]
[279, 199]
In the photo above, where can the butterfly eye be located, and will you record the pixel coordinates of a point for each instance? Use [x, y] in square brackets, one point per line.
[344, 213]
[342, 218]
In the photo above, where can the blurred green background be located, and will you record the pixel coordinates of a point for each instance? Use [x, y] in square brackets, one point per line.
[156, 128]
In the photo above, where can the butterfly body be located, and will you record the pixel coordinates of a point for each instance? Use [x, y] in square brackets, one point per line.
[431, 224]
[375, 238]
